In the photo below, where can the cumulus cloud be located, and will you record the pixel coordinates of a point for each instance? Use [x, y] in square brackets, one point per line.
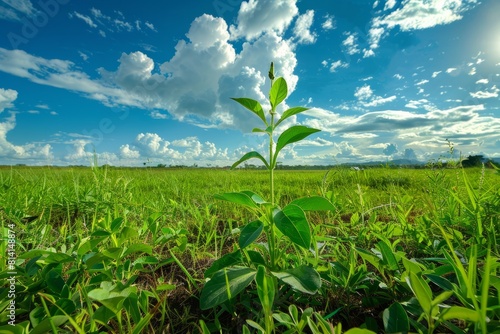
[487, 94]
[328, 23]
[10, 152]
[302, 28]
[337, 64]
[257, 17]
[351, 43]
[15, 10]
[7, 96]
[187, 150]
[366, 98]
[415, 15]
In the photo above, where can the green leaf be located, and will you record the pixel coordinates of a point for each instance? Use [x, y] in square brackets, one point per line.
[441, 297]
[278, 92]
[291, 112]
[396, 319]
[462, 313]
[238, 198]
[248, 156]
[292, 222]
[303, 278]
[45, 325]
[388, 255]
[250, 233]
[225, 261]
[255, 198]
[292, 135]
[314, 203]
[359, 331]
[138, 248]
[252, 105]
[224, 285]
[103, 315]
[115, 224]
[54, 281]
[422, 291]
[265, 288]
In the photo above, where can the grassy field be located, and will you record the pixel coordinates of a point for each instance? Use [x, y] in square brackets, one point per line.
[126, 251]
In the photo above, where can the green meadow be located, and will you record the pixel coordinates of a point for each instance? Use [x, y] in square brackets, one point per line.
[130, 250]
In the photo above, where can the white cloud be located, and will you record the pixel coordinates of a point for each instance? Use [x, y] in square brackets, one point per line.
[415, 15]
[435, 74]
[302, 28]
[389, 4]
[256, 17]
[351, 43]
[451, 70]
[329, 23]
[493, 92]
[10, 152]
[363, 93]
[422, 14]
[338, 64]
[150, 26]
[85, 19]
[483, 81]
[15, 10]
[7, 96]
[421, 82]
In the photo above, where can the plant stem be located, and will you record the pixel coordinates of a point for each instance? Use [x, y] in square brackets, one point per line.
[272, 237]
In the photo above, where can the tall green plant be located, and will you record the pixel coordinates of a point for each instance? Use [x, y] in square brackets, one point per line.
[286, 229]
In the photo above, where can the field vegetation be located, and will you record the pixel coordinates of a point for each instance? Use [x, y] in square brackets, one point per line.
[125, 250]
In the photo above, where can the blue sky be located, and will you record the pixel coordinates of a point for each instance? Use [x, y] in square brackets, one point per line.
[151, 81]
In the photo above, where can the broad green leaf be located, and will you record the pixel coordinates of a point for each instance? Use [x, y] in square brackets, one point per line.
[138, 248]
[256, 257]
[128, 233]
[278, 92]
[314, 203]
[113, 253]
[303, 278]
[412, 265]
[225, 261]
[253, 106]
[256, 198]
[237, 198]
[115, 224]
[248, 156]
[54, 281]
[255, 325]
[292, 222]
[442, 282]
[441, 297]
[103, 315]
[291, 112]
[225, 284]
[388, 255]
[359, 331]
[292, 135]
[16, 329]
[45, 325]
[422, 291]
[265, 288]
[462, 313]
[395, 319]
[250, 233]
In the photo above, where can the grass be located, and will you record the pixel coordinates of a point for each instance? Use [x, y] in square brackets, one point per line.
[157, 230]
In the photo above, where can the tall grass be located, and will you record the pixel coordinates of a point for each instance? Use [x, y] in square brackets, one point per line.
[124, 250]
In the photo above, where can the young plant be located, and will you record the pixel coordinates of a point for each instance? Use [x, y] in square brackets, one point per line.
[285, 229]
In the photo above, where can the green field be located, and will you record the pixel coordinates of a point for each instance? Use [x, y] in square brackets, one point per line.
[125, 250]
